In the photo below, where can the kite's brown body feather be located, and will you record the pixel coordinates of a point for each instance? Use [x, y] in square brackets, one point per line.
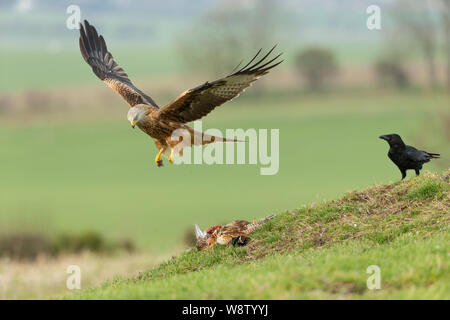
[191, 105]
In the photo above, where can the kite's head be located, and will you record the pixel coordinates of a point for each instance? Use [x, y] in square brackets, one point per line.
[135, 114]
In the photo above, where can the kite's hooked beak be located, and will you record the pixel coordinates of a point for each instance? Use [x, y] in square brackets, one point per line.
[133, 124]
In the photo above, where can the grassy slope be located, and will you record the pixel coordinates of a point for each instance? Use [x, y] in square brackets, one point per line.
[320, 251]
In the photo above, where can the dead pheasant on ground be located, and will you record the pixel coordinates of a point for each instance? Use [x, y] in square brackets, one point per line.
[235, 233]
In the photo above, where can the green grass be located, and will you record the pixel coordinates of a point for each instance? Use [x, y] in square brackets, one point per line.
[309, 253]
[99, 174]
[427, 190]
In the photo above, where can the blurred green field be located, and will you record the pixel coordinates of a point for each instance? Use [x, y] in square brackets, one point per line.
[99, 174]
[40, 69]
[43, 69]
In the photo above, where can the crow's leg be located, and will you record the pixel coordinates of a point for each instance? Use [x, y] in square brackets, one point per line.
[403, 173]
[417, 172]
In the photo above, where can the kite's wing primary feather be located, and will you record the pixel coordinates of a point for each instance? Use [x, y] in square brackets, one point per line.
[195, 103]
[95, 53]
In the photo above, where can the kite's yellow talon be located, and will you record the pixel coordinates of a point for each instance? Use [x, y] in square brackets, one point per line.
[158, 159]
[171, 158]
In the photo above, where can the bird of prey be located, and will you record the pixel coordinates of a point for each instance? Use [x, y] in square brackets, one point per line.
[203, 236]
[406, 157]
[235, 233]
[160, 123]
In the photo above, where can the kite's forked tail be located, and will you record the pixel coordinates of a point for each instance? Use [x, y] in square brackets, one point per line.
[197, 137]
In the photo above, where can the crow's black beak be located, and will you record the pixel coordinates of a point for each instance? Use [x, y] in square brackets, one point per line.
[385, 137]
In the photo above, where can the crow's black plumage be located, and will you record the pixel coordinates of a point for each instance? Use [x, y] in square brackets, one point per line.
[406, 157]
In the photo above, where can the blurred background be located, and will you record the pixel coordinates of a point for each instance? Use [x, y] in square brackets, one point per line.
[74, 177]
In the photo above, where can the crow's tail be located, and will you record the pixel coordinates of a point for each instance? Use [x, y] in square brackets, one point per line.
[434, 155]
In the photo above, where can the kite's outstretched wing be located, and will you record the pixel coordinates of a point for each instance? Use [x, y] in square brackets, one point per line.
[195, 103]
[94, 51]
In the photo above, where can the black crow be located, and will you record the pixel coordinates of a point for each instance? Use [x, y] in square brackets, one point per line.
[406, 157]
